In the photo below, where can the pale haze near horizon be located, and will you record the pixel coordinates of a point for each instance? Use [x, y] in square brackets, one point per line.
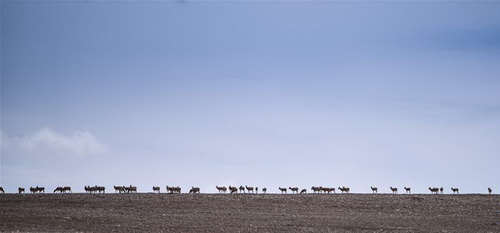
[263, 94]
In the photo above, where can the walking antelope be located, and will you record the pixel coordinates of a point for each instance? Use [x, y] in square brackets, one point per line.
[283, 190]
[489, 190]
[294, 189]
[434, 190]
[221, 189]
[441, 189]
[1, 190]
[394, 190]
[20, 190]
[344, 189]
[303, 191]
[316, 189]
[374, 189]
[156, 189]
[194, 190]
[174, 189]
[120, 189]
[249, 189]
[455, 190]
[233, 189]
[257, 190]
[408, 190]
[62, 189]
[264, 190]
[131, 188]
[327, 190]
[242, 189]
[37, 189]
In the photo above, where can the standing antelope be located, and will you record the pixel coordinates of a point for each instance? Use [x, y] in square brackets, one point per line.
[156, 189]
[294, 189]
[233, 189]
[303, 191]
[222, 189]
[194, 190]
[120, 189]
[257, 190]
[131, 189]
[264, 190]
[455, 190]
[394, 190]
[434, 190]
[242, 189]
[316, 189]
[408, 190]
[441, 189]
[344, 189]
[489, 190]
[1, 190]
[20, 190]
[283, 190]
[249, 189]
[374, 189]
[173, 189]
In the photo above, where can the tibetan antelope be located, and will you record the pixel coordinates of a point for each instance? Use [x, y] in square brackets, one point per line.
[174, 189]
[394, 190]
[344, 189]
[120, 189]
[303, 191]
[194, 190]
[283, 190]
[316, 189]
[455, 190]
[233, 189]
[37, 189]
[327, 190]
[130, 189]
[156, 189]
[257, 190]
[264, 190]
[242, 189]
[62, 189]
[434, 190]
[441, 189]
[20, 190]
[1, 190]
[374, 189]
[489, 190]
[222, 189]
[249, 189]
[294, 189]
[408, 190]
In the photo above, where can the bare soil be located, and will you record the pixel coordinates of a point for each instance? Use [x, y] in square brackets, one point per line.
[249, 212]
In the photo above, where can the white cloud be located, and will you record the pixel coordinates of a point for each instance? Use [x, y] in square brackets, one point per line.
[79, 143]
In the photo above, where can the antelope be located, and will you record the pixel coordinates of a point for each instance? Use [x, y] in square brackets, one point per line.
[242, 188]
[249, 189]
[489, 190]
[100, 189]
[344, 189]
[20, 190]
[394, 190]
[37, 189]
[58, 189]
[454, 190]
[408, 190]
[131, 189]
[327, 190]
[283, 190]
[303, 191]
[88, 189]
[120, 189]
[174, 189]
[294, 189]
[221, 189]
[264, 190]
[441, 189]
[194, 190]
[156, 189]
[257, 190]
[374, 189]
[67, 189]
[1, 190]
[316, 189]
[434, 190]
[233, 189]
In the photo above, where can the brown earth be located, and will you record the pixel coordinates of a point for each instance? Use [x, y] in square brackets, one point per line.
[249, 212]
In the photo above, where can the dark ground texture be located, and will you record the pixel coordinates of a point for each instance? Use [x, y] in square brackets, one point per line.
[249, 212]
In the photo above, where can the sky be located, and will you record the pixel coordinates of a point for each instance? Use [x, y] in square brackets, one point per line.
[268, 94]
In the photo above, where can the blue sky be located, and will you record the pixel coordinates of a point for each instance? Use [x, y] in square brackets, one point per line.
[261, 93]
